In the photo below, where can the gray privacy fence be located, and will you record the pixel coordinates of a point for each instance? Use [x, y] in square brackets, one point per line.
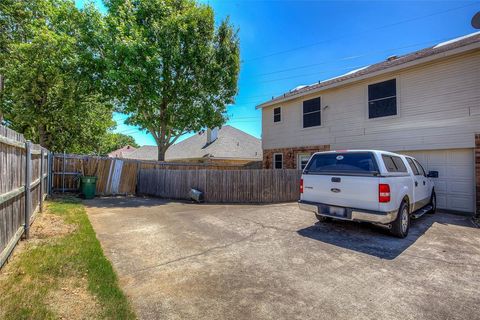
[23, 187]
[227, 186]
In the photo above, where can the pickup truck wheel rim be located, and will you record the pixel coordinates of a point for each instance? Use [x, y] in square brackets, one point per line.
[404, 220]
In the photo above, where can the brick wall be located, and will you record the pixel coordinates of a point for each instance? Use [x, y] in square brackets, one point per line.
[290, 155]
[477, 171]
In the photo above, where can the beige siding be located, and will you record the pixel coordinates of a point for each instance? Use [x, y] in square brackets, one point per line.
[438, 108]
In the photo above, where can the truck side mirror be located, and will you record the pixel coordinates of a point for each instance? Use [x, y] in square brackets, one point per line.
[432, 174]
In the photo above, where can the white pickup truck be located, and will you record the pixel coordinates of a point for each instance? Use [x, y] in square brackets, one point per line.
[380, 187]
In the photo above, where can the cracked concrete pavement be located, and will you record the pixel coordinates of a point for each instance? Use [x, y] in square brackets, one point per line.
[186, 261]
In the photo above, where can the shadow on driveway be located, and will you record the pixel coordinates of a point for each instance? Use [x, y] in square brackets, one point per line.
[376, 241]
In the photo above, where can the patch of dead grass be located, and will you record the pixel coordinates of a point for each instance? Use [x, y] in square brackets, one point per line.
[73, 300]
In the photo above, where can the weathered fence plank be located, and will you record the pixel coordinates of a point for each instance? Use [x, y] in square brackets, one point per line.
[22, 187]
[226, 186]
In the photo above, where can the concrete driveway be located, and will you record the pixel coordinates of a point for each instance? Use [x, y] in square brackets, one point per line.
[187, 261]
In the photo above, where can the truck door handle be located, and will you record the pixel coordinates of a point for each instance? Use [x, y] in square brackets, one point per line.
[416, 183]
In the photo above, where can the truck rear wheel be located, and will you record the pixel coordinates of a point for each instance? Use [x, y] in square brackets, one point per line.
[401, 225]
[433, 203]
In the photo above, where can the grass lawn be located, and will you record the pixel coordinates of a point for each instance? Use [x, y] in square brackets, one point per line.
[61, 271]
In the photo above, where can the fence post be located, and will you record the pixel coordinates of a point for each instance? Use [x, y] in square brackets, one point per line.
[42, 179]
[28, 181]
[50, 173]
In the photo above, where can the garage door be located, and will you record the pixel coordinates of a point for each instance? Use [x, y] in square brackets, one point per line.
[455, 184]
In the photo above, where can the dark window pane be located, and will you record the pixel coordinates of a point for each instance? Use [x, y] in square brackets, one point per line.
[382, 108]
[277, 114]
[311, 119]
[355, 162]
[382, 90]
[413, 167]
[278, 161]
[388, 161]
[399, 164]
[311, 105]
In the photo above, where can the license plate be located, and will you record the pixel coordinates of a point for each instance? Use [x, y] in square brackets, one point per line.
[334, 211]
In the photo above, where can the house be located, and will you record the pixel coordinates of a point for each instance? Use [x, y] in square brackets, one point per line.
[227, 145]
[120, 153]
[425, 104]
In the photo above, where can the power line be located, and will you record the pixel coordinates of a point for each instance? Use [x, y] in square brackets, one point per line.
[357, 33]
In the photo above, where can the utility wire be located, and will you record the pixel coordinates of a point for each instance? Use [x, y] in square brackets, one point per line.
[358, 33]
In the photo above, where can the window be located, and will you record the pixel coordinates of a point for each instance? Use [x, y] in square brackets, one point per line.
[420, 168]
[342, 163]
[311, 113]
[413, 167]
[302, 161]
[382, 99]
[277, 114]
[278, 161]
[394, 164]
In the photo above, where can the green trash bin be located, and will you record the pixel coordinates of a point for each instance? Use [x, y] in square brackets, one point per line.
[88, 186]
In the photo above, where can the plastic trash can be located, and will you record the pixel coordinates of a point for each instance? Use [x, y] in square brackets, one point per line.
[88, 186]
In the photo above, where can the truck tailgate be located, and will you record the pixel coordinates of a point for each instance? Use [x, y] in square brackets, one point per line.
[345, 191]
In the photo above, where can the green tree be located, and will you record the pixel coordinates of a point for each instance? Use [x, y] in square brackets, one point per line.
[53, 73]
[171, 70]
[114, 141]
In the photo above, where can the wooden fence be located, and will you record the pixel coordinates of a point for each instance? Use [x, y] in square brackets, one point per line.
[23, 187]
[115, 176]
[226, 186]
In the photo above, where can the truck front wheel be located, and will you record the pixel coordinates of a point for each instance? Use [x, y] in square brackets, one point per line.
[402, 223]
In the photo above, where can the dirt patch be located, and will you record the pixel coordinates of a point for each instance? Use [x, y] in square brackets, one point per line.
[73, 300]
[50, 226]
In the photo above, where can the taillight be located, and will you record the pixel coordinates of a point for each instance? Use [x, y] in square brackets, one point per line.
[383, 193]
[301, 185]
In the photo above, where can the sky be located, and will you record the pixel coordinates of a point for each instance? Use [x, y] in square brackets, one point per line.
[287, 43]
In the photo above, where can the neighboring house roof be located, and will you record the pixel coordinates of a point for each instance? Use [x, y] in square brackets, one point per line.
[395, 62]
[231, 144]
[120, 153]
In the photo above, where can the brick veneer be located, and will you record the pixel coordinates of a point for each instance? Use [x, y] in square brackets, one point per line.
[477, 171]
[289, 155]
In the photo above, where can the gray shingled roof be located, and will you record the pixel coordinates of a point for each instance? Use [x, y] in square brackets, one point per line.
[384, 65]
[231, 143]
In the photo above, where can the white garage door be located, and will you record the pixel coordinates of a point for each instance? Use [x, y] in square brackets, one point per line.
[455, 183]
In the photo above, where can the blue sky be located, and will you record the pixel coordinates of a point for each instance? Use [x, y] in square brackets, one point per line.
[289, 43]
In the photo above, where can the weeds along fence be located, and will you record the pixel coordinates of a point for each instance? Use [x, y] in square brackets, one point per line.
[23, 187]
[223, 186]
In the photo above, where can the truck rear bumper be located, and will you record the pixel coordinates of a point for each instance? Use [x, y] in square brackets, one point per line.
[352, 214]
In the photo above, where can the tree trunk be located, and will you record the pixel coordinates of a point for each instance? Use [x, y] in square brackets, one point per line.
[42, 136]
[161, 153]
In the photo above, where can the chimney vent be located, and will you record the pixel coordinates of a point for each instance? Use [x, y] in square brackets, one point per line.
[212, 135]
[391, 58]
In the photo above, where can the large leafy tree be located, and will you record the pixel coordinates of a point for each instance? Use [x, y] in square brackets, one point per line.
[171, 69]
[53, 71]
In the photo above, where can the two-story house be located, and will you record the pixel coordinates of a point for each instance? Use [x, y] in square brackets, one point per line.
[425, 104]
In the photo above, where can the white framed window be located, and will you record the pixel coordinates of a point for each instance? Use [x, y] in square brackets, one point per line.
[277, 114]
[278, 160]
[302, 160]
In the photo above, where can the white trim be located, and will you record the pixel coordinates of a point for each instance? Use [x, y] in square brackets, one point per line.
[273, 160]
[299, 162]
